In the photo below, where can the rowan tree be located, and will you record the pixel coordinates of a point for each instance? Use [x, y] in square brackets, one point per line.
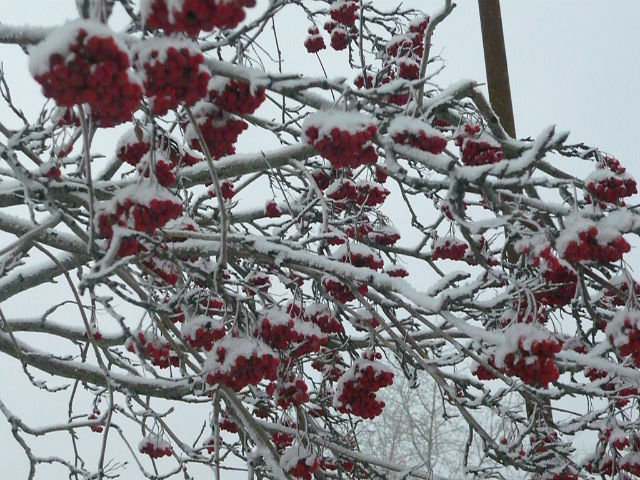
[243, 310]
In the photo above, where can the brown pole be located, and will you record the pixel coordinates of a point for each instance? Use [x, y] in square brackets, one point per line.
[495, 61]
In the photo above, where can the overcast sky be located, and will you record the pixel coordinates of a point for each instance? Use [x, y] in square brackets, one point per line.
[573, 63]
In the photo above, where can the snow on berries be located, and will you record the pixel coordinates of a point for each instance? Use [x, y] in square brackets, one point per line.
[477, 147]
[235, 96]
[344, 12]
[143, 207]
[417, 134]
[172, 72]
[584, 240]
[157, 349]
[527, 352]
[623, 332]
[343, 138]
[609, 185]
[355, 392]
[314, 42]
[560, 280]
[299, 461]
[155, 446]
[83, 62]
[193, 16]
[219, 130]
[289, 391]
[271, 209]
[240, 361]
[200, 331]
[359, 255]
[132, 146]
[449, 247]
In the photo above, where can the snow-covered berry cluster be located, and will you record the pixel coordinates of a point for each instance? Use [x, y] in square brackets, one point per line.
[200, 331]
[289, 391]
[155, 446]
[417, 134]
[257, 282]
[477, 147]
[314, 42]
[172, 72]
[83, 62]
[235, 96]
[132, 146]
[240, 361]
[227, 188]
[385, 235]
[355, 392]
[359, 256]
[321, 316]
[219, 130]
[158, 350]
[609, 183]
[193, 16]
[344, 12]
[583, 240]
[340, 34]
[527, 352]
[271, 209]
[299, 461]
[449, 247]
[405, 51]
[291, 331]
[143, 207]
[623, 332]
[339, 291]
[343, 138]
[561, 280]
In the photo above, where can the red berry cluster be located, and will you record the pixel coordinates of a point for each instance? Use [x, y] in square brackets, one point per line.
[359, 256]
[289, 391]
[155, 446]
[360, 231]
[193, 16]
[321, 316]
[158, 350]
[314, 42]
[449, 247]
[321, 178]
[534, 366]
[227, 424]
[272, 210]
[257, 282]
[421, 139]
[219, 130]
[410, 44]
[385, 236]
[142, 217]
[93, 68]
[235, 96]
[227, 189]
[610, 183]
[589, 247]
[561, 280]
[340, 34]
[300, 462]
[238, 362]
[277, 330]
[339, 291]
[282, 440]
[370, 194]
[163, 171]
[356, 390]
[476, 150]
[172, 74]
[396, 271]
[131, 149]
[93, 416]
[201, 331]
[342, 189]
[342, 147]
[344, 12]
[623, 332]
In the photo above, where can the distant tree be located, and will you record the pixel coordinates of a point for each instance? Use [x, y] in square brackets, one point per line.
[244, 310]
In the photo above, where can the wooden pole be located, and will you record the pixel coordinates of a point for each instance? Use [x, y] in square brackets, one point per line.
[495, 61]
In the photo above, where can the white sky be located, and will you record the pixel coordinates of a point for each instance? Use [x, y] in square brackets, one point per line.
[573, 63]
